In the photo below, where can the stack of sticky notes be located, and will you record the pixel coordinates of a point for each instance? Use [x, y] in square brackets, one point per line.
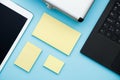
[56, 34]
[28, 56]
[53, 64]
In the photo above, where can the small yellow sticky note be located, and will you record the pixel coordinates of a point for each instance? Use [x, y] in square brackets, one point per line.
[28, 56]
[56, 34]
[53, 64]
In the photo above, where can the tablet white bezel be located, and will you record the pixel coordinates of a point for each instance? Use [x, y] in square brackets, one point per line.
[22, 12]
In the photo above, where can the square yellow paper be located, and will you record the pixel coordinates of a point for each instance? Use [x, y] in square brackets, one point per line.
[53, 64]
[56, 34]
[28, 56]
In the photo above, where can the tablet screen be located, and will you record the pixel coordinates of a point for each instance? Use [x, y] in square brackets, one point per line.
[11, 24]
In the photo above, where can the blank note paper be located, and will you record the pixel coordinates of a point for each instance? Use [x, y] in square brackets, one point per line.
[53, 64]
[56, 34]
[28, 56]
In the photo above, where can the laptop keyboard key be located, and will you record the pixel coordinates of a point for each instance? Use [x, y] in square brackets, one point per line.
[117, 31]
[113, 14]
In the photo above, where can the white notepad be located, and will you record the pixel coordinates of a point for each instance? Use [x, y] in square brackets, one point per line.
[77, 9]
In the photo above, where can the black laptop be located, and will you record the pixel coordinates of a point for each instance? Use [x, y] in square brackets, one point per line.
[103, 44]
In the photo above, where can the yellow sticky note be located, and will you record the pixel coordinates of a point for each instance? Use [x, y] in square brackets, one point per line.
[56, 34]
[28, 56]
[53, 64]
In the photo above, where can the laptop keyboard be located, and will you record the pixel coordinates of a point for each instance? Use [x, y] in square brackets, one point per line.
[111, 26]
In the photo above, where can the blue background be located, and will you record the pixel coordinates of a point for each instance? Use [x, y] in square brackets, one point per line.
[77, 66]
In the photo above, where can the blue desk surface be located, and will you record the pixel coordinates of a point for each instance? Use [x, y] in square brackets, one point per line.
[77, 66]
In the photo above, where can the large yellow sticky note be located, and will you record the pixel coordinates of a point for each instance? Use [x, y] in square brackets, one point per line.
[53, 64]
[56, 34]
[28, 56]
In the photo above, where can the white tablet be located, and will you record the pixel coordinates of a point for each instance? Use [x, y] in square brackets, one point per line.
[13, 22]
